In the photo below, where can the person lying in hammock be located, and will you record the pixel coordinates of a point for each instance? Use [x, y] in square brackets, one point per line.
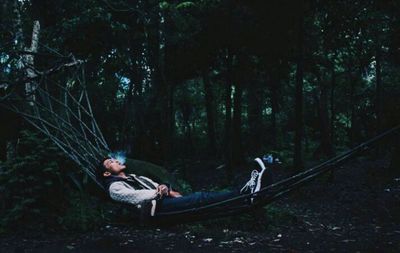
[157, 199]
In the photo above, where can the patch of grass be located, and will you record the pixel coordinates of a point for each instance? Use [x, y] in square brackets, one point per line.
[83, 213]
[278, 215]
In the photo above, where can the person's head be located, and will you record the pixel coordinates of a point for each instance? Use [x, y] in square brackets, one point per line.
[109, 166]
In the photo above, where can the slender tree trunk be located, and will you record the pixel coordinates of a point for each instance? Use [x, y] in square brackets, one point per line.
[395, 159]
[29, 61]
[378, 99]
[167, 109]
[352, 112]
[333, 115]
[186, 109]
[237, 152]
[132, 107]
[11, 144]
[152, 113]
[254, 112]
[326, 146]
[332, 108]
[5, 129]
[28, 65]
[209, 103]
[275, 108]
[299, 128]
[3, 149]
[228, 114]
[19, 36]
[159, 105]
[3, 13]
[169, 119]
[171, 114]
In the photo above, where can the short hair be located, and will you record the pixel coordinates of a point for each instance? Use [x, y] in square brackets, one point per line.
[100, 167]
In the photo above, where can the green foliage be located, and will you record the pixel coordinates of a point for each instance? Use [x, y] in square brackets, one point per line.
[279, 215]
[164, 5]
[83, 213]
[27, 179]
[184, 187]
[35, 190]
[256, 220]
[185, 4]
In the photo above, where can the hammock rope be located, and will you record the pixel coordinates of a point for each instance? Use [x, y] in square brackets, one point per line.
[274, 191]
[61, 110]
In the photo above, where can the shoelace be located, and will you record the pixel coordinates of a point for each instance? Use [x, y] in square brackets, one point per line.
[251, 183]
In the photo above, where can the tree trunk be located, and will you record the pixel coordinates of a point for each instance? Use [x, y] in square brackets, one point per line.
[171, 115]
[11, 144]
[352, 114]
[133, 93]
[159, 108]
[298, 157]
[169, 122]
[29, 62]
[325, 139]
[378, 99]
[167, 109]
[274, 87]
[332, 103]
[254, 112]
[395, 159]
[19, 36]
[3, 149]
[228, 114]
[186, 109]
[209, 103]
[3, 13]
[237, 152]
[6, 131]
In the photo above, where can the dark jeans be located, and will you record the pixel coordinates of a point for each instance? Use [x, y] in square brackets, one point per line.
[193, 200]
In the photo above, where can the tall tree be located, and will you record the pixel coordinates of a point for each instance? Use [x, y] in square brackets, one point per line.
[237, 149]
[209, 104]
[323, 114]
[254, 111]
[332, 106]
[378, 98]
[274, 87]
[228, 112]
[299, 128]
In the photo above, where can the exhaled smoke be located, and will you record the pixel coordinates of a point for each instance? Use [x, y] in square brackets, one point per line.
[118, 155]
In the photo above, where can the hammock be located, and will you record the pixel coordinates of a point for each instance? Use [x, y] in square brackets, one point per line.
[60, 108]
[269, 193]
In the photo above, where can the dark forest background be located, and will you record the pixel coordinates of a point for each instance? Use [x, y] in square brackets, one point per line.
[222, 81]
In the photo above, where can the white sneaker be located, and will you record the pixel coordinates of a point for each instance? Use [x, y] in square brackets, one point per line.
[260, 175]
[255, 182]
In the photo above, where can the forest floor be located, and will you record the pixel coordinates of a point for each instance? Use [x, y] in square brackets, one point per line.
[356, 210]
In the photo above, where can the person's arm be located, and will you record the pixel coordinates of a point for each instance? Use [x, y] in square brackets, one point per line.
[164, 190]
[174, 194]
[119, 192]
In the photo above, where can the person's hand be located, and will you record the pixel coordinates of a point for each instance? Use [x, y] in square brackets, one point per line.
[175, 194]
[162, 189]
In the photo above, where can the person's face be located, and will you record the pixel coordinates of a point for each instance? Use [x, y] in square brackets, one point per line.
[113, 166]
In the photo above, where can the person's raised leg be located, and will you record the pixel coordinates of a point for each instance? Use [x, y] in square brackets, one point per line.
[193, 200]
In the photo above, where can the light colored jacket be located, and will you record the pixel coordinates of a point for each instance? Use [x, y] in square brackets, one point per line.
[122, 191]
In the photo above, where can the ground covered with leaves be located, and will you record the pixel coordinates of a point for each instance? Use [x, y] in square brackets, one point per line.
[357, 209]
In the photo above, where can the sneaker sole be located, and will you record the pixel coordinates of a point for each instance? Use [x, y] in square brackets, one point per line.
[258, 160]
